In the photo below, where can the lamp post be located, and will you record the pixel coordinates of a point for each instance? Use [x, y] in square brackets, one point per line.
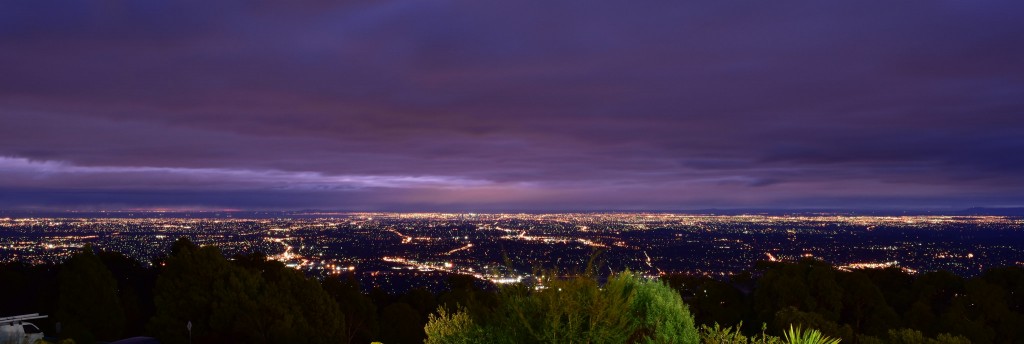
[189, 327]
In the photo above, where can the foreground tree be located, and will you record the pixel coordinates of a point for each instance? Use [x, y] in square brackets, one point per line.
[710, 300]
[627, 309]
[135, 284]
[359, 311]
[88, 306]
[909, 336]
[253, 301]
[402, 324]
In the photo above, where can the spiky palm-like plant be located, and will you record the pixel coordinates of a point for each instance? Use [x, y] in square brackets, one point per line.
[809, 336]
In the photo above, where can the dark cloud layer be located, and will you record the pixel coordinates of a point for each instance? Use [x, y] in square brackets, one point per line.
[414, 105]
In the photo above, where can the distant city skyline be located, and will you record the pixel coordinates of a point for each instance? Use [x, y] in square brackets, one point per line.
[525, 106]
[433, 245]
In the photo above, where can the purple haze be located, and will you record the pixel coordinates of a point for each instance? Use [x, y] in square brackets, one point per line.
[542, 105]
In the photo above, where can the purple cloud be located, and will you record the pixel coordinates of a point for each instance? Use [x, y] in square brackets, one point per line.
[545, 105]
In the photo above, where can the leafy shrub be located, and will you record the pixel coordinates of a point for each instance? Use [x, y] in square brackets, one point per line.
[810, 336]
[627, 309]
[732, 335]
[910, 336]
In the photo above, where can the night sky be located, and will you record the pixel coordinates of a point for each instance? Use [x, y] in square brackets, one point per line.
[520, 105]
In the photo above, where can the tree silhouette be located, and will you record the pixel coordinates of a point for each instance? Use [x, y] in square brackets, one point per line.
[135, 284]
[865, 307]
[402, 324]
[358, 309]
[711, 301]
[255, 301]
[88, 306]
[626, 309]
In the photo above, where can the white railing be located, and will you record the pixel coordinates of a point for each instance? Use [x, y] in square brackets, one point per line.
[23, 317]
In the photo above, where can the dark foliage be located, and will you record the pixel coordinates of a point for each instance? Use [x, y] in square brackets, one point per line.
[250, 299]
[865, 305]
[625, 309]
[360, 312]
